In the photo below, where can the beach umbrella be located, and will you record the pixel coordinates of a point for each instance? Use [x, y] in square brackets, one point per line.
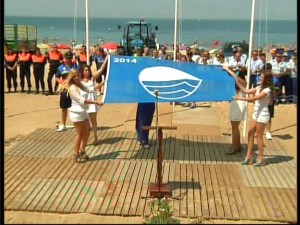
[63, 46]
[110, 46]
[43, 47]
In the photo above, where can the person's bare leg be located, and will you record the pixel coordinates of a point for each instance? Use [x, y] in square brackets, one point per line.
[236, 136]
[64, 115]
[93, 119]
[86, 134]
[260, 127]
[251, 133]
[79, 127]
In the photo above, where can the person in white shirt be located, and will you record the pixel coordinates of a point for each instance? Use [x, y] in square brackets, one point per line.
[78, 114]
[255, 68]
[294, 75]
[243, 55]
[279, 69]
[263, 96]
[237, 64]
[237, 113]
[90, 81]
[205, 59]
[220, 59]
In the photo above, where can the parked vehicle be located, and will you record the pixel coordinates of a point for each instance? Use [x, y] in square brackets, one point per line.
[138, 34]
[230, 47]
[17, 36]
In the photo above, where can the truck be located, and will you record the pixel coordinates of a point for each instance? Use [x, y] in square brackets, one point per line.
[138, 34]
[18, 36]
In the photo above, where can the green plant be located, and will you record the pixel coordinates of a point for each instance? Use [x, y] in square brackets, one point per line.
[160, 212]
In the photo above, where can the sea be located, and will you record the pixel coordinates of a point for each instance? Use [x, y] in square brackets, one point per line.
[190, 31]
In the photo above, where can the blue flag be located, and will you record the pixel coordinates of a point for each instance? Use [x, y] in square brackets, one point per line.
[135, 79]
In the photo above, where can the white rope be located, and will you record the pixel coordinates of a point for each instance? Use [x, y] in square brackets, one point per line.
[266, 22]
[75, 20]
[259, 27]
[180, 25]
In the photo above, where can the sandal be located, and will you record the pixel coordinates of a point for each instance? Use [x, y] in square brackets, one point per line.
[78, 159]
[84, 156]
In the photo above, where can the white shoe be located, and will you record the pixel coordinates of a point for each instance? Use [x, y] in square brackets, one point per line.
[61, 128]
[268, 136]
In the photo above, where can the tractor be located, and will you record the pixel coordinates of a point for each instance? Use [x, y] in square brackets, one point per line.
[138, 34]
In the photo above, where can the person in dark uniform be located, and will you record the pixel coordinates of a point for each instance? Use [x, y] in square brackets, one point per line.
[61, 77]
[25, 63]
[82, 57]
[55, 59]
[11, 61]
[39, 61]
[144, 117]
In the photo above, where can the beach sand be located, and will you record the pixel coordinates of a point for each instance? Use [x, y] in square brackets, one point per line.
[26, 112]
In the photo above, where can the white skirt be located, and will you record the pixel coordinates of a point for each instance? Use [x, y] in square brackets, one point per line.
[237, 110]
[78, 116]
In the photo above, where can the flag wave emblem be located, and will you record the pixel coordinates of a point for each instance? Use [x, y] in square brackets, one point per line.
[170, 83]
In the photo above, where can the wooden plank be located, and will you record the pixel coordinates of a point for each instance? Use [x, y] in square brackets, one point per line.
[208, 156]
[186, 157]
[119, 183]
[248, 199]
[116, 188]
[233, 203]
[267, 203]
[259, 206]
[88, 199]
[218, 202]
[29, 200]
[20, 183]
[144, 189]
[80, 192]
[131, 190]
[138, 189]
[183, 191]
[196, 151]
[107, 184]
[225, 202]
[176, 190]
[196, 191]
[203, 193]
[282, 204]
[289, 209]
[215, 146]
[55, 196]
[172, 147]
[124, 190]
[292, 195]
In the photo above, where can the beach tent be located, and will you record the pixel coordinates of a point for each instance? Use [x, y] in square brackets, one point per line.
[110, 46]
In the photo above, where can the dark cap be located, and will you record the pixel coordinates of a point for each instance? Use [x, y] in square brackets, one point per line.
[68, 55]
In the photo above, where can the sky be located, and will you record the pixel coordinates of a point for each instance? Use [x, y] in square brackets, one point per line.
[188, 9]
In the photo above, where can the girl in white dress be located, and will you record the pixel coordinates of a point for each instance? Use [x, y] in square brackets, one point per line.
[78, 114]
[263, 96]
[237, 113]
[89, 81]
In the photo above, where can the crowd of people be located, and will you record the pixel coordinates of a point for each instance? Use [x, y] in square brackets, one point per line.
[78, 86]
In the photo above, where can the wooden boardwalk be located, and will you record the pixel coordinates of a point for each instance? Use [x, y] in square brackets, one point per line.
[40, 176]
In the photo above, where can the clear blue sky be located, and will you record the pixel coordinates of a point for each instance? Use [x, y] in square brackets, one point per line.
[198, 9]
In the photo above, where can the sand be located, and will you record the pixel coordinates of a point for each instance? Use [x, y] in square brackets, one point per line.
[26, 112]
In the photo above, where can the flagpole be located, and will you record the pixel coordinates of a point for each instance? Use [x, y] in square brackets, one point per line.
[249, 66]
[175, 29]
[87, 22]
[175, 33]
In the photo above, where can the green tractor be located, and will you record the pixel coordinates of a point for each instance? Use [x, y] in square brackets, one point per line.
[138, 34]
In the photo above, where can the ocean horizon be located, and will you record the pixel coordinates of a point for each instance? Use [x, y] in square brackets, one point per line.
[202, 31]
